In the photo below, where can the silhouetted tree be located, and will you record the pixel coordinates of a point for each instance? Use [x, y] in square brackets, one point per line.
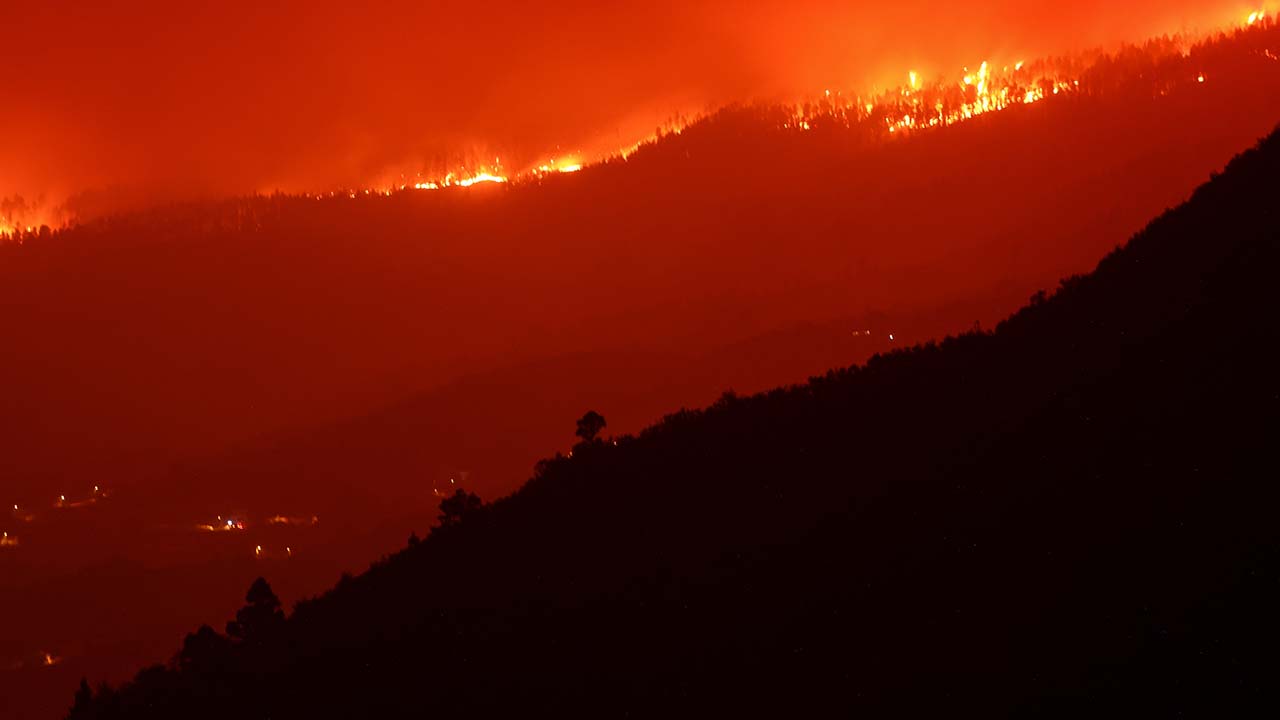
[202, 648]
[83, 698]
[454, 509]
[590, 425]
[261, 618]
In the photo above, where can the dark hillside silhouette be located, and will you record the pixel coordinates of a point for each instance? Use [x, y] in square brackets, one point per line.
[1072, 515]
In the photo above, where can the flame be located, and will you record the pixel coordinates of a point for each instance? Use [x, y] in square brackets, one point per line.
[7, 540]
[483, 177]
[941, 104]
[451, 180]
[563, 165]
[916, 106]
[20, 218]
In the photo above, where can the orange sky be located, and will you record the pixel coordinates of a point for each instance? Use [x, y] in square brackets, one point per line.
[174, 98]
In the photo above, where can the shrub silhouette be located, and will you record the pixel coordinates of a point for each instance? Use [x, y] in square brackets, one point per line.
[458, 507]
[204, 649]
[589, 426]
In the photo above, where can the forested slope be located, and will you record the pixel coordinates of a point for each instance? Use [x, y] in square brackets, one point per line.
[1073, 513]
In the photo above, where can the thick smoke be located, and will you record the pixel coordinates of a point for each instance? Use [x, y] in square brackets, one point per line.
[157, 99]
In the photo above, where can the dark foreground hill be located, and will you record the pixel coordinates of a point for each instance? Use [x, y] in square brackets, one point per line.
[1073, 514]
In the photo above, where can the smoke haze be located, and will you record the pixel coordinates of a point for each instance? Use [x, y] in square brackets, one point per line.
[168, 99]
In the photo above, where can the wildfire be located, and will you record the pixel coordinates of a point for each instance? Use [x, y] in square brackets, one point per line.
[919, 104]
[554, 166]
[942, 103]
[494, 174]
[20, 218]
[451, 180]
[462, 177]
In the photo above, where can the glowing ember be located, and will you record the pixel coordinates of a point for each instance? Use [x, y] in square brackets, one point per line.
[293, 521]
[221, 524]
[92, 499]
[268, 553]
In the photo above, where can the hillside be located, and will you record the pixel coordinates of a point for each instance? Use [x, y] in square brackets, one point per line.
[1069, 515]
[294, 313]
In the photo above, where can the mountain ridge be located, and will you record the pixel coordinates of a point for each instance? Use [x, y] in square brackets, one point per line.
[1033, 520]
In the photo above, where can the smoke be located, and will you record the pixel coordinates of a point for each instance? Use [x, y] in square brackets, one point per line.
[165, 100]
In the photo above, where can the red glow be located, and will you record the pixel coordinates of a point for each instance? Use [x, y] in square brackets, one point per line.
[303, 96]
[603, 234]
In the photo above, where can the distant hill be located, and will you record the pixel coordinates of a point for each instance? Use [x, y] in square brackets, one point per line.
[1071, 515]
[183, 331]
